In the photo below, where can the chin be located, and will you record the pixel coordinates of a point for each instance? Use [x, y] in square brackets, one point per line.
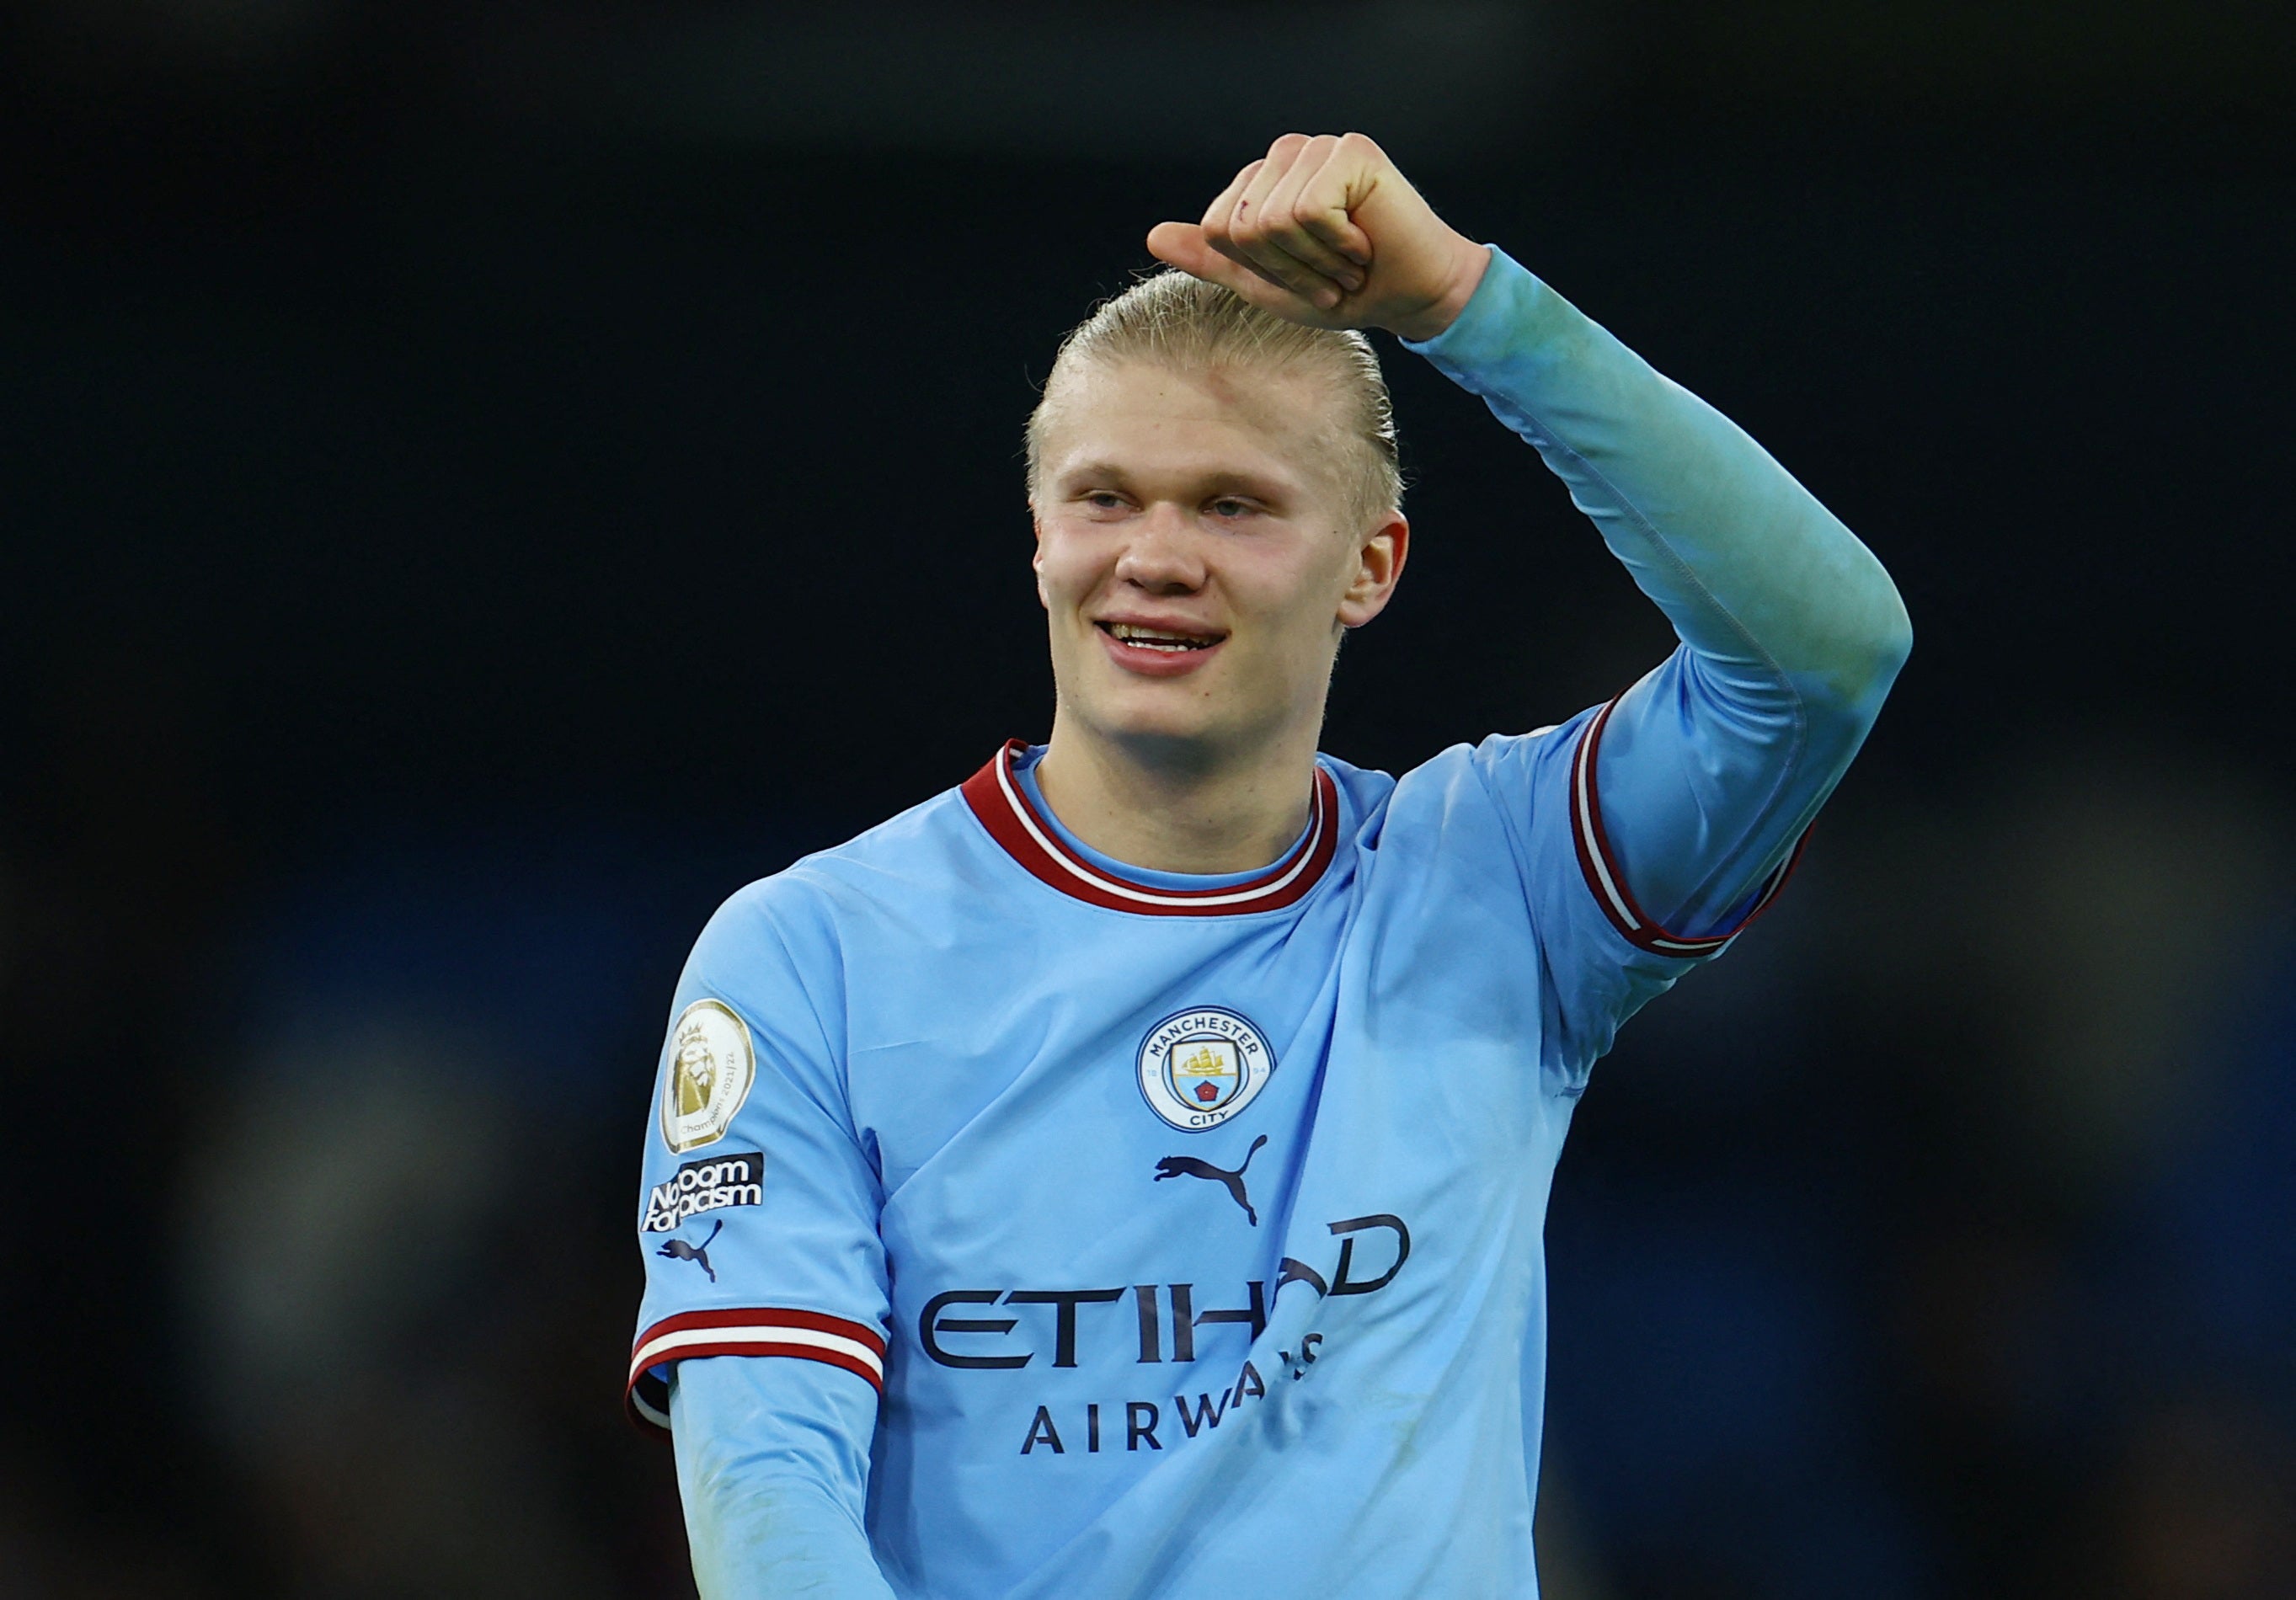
[1139, 713]
[1194, 723]
[1169, 719]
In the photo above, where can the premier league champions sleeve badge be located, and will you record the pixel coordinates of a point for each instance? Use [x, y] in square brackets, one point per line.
[1199, 1068]
[711, 1067]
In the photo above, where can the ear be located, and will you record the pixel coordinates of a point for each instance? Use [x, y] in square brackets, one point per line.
[1036, 558]
[1378, 568]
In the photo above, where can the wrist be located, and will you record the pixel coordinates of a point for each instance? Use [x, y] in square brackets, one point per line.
[1469, 262]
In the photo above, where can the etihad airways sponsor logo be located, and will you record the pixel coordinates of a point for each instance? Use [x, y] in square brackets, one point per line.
[1064, 1424]
[990, 1343]
[1143, 1418]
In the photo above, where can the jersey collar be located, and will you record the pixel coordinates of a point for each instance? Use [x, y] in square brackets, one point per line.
[996, 799]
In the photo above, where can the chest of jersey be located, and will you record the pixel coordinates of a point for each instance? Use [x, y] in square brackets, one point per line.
[1117, 1151]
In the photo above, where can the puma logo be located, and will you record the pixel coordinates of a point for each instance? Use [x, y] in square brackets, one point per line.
[1189, 1166]
[678, 1250]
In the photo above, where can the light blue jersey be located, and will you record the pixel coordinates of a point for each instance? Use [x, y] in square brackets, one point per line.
[1055, 1228]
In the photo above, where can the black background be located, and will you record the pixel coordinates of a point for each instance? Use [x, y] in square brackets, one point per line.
[481, 483]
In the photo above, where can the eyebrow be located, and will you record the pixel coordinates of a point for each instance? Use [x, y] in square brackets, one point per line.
[1216, 483]
[1107, 470]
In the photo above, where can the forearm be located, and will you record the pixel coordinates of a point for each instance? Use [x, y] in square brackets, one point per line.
[1792, 632]
[773, 1469]
[1751, 570]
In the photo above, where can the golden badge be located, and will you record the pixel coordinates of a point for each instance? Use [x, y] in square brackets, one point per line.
[711, 1066]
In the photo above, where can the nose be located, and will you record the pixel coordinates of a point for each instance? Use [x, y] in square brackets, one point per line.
[1163, 555]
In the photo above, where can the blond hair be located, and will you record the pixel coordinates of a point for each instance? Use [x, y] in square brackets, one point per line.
[1177, 321]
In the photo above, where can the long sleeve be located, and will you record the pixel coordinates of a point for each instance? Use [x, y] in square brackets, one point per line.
[1709, 769]
[762, 1334]
[773, 1467]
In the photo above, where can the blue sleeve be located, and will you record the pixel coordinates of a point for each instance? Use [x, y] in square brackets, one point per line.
[1690, 792]
[758, 1223]
[773, 1466]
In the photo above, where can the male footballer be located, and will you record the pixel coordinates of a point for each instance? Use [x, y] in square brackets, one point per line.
[1123, 1174]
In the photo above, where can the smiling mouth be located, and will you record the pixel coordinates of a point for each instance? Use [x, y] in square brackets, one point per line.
[1155, 638]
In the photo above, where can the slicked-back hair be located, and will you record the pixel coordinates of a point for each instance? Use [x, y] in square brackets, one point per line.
[1177, 321]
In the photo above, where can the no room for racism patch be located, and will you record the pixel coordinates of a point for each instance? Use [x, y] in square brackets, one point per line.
[709, 1184]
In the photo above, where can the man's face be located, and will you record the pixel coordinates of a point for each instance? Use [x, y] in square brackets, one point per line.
[1197, 553]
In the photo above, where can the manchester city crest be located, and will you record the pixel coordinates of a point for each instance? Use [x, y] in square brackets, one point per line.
[1199, 1068]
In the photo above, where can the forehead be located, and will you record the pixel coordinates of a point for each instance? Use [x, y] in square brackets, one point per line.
[1142, 414]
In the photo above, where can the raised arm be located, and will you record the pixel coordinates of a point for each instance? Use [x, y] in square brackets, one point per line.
[1705, 773]
[1708, 770]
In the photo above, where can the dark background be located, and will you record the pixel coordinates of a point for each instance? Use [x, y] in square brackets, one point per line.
[479, 483]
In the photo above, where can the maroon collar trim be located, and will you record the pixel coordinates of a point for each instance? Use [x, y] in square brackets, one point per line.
[995, 797]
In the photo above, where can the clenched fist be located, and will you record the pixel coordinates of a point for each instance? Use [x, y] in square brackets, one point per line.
[1325, 231]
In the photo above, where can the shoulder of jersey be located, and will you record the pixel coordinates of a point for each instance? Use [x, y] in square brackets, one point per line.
[908, 853]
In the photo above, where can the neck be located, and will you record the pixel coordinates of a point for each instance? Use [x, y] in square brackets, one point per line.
[1184, 808]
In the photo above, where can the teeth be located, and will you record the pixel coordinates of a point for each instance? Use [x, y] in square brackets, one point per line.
[1152, 639]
